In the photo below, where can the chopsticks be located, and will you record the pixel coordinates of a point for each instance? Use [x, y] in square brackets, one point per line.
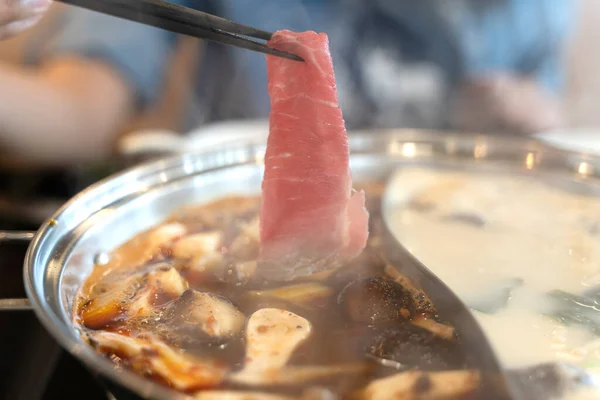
[186, 21]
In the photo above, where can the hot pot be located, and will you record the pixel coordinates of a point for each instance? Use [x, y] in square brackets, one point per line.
[64, 250]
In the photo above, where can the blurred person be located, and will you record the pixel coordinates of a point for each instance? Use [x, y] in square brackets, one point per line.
[18, 15]
[472, 64]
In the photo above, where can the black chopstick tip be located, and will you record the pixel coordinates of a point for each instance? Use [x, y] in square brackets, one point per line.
[283, 54]
[295, 57]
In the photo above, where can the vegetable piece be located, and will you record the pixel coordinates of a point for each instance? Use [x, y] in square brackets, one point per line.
[377, 300]
[164, 235]
[197, 245]
[423, 303]
[231, 395]
[214, 315]
[306, 294]
[295, 375]
[211, 265]
[161, 285]
[416, 385]
[272, 335]
[166, 280]
[148, 355]
[441, 330]
[108, 307]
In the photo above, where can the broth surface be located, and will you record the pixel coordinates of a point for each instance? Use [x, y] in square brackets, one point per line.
[180, 304]
[523, 253]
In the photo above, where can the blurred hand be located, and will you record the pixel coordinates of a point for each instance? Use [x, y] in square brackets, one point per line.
[19, 15]
[505, 103]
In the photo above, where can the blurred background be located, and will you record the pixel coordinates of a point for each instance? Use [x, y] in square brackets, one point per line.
[84, 95]
[80, 92]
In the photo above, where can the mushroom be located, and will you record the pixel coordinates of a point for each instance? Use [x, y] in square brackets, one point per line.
[441, 330]
[108, 307]
[306, 294]
[423, 303]
[320, 276]
[416, 385]
[377, 300]
[197, 245]
[231, 395]
[298, 375]
[211, 315]
[200, 254]
[161, 285]
[148, 355]
[272, 335]
[164, 235]
[135, 295]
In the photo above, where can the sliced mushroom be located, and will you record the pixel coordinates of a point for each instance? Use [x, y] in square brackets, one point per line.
[298, 375]
[206, 313]
[148, 355]
[272, 335]
[209, 265]
[197, 245]
[441, 330]
[423, 303]
[136, 295]
[108, 307]
[141, 304]
[231, 395]
[164, 234]
[168, 281]
[161, 285]
[306, 294]
[377, 300]
[417, 385]
[320, 276]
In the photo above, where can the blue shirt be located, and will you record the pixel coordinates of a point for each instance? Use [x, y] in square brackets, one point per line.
[396, 61]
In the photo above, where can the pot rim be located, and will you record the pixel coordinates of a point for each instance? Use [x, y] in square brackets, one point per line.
[63, 331]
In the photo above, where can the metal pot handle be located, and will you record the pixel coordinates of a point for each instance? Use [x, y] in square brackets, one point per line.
[15, 236]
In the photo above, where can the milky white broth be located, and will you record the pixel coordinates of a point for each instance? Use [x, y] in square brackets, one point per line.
[537, 238]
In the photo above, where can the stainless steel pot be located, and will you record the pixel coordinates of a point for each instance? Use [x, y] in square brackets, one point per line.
[106, 214]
